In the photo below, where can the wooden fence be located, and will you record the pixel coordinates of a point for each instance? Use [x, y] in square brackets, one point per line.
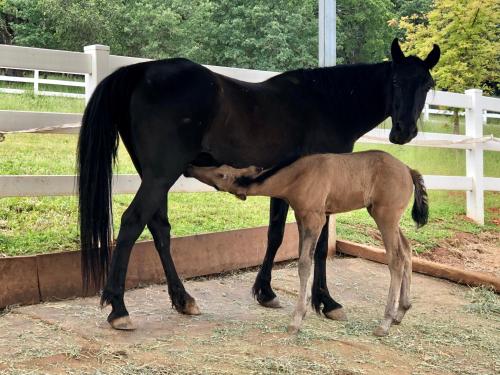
[96, 62]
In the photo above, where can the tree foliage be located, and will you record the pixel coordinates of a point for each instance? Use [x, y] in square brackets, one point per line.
[275, 35]
[363, 32]
[467, 32]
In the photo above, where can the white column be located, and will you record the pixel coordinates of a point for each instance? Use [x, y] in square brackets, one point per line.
[36, 77]
[474, 157]
[100, 67]
[327, 32]
[426, 112]
[327, 50]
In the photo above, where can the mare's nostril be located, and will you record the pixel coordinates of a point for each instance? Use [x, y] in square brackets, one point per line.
[397, 126]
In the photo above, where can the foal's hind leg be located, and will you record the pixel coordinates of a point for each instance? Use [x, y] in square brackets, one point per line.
[387, 221]
[160, 229]
[309, 230]
[134, 219]
[404, 298]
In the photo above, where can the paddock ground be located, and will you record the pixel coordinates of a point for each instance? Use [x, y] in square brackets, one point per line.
[451, 329]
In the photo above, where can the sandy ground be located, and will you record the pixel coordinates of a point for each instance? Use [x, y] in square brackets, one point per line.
[449, 330]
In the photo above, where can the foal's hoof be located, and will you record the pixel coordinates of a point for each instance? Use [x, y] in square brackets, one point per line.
[397, 321]
[273, 304]
[380, 332]
[191, 308]
[123, 323]
[293, 330]
[337, 314]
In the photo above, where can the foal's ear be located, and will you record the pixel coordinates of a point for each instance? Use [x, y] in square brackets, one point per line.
[396, 53]
[432, 59]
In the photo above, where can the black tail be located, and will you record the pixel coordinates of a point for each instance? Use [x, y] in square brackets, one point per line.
[420, 210]
[107, 109]
[247, 181]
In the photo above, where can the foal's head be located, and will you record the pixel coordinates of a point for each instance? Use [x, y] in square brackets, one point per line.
[223, 178]
[411, 80]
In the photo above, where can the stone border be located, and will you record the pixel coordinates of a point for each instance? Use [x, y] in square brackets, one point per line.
[426, 267]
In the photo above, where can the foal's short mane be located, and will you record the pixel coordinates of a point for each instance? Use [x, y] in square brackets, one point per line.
[247, 181]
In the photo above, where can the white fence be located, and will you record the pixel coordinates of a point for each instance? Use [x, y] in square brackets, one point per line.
[37, 81]
[96, 62]
[428, 111]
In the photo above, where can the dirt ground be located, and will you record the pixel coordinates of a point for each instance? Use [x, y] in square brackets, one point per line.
[450, 330]
[474, 252]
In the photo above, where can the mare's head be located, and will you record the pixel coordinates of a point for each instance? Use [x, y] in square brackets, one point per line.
[411, 79]
[223, 178]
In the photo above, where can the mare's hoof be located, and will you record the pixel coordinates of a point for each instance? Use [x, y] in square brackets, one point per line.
[123, 323]
[337, 314]
[191, 308]
[273, 304]
[380, 332]
[293, 330]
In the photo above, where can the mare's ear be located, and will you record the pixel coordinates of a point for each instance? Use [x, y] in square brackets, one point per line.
[432, 59]
[396, 53]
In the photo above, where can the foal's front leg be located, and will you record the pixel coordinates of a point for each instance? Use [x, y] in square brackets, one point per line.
[309, 231]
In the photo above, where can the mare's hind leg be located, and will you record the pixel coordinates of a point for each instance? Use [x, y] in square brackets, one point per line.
[134, 219]
[309, 231]
[404, 298]
[388, 223]
[160, 229]
[262, 286]
[320, 294]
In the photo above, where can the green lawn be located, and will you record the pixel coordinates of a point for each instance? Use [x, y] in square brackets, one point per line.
[34, 225]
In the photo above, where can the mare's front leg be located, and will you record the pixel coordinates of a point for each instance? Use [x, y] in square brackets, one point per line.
[262, 287]
[320, 294]
[309, 231]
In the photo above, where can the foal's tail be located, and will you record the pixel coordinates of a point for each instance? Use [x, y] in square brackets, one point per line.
[106, 111]
[420, 210]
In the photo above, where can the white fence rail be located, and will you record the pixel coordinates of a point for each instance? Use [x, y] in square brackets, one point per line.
[96, 62]
[37, 81]
[433, 111]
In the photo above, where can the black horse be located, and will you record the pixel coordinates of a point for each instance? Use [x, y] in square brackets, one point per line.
[171, 113]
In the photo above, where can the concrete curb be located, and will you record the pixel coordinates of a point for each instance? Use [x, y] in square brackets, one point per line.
[426, 267]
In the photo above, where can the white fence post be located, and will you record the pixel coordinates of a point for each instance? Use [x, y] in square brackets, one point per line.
[426, 112]
[100, 67]
[474, 157]
[36, 76]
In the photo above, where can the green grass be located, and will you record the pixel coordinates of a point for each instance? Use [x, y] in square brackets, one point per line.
[30, 102]
[34, 225]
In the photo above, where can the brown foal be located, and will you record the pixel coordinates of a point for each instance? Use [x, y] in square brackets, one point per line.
[323, 184]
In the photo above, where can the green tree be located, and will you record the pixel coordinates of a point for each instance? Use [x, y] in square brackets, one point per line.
[363, 33]
[259, 34]
[467, 32]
